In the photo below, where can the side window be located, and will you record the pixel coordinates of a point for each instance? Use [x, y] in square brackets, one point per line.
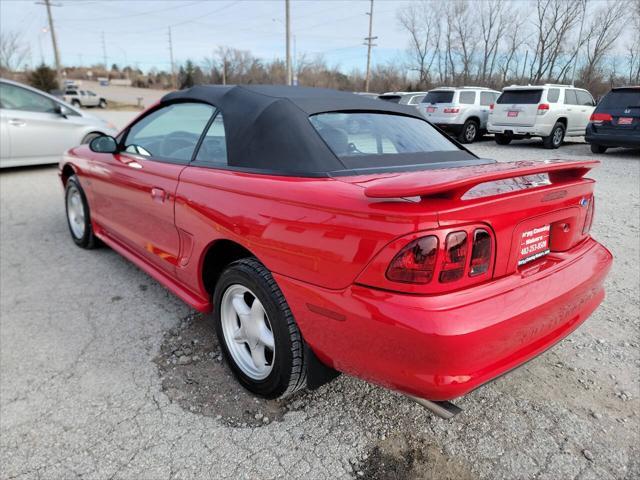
[487, 98]
[584, 98]
[570, 97]
[553, 95]
[416, 99]
[213, 149]
[16, 98]
[467, 98]
[170, 133]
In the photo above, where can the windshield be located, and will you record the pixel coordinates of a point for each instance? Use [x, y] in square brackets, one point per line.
[438, 97]
[621, 99]
[381, 139]
[527, 97]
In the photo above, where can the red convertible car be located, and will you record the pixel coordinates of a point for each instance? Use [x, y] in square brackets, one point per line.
[329, 232]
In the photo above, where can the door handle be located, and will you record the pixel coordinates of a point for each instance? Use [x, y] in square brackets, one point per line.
[158, 194]
[17, 123]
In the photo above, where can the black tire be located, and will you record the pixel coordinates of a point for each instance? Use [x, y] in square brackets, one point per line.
[75, 103]
[87, 240]
[595, 148]
[502, 139]
[289, 372]
[103, 103]
[555, 139]
[469, 132]
[90, 136]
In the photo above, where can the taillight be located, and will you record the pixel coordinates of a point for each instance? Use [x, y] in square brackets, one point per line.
[543, 108]
[491, 107]
[588, 219]
[433, 261]
[451, 110]
[480, 253]
[600, 117]
[455, 255]
[416, 262]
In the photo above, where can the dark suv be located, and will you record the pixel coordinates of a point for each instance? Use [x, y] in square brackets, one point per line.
[616, 120]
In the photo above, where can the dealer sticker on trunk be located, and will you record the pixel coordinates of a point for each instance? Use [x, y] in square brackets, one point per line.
[534, 244]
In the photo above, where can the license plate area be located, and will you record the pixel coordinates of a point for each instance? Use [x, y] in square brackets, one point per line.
[534, 244]
[625, 120]
[512, 113]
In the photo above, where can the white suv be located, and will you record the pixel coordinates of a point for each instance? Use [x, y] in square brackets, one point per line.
[461, 111]
[548, 111]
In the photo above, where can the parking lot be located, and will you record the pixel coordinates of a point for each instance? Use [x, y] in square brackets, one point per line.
[91, 387]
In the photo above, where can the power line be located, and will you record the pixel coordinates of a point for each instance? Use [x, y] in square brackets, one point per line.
[369, 43]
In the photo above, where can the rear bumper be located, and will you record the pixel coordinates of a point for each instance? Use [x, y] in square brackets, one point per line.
[538, 130]
[441, 347]
[622, 139]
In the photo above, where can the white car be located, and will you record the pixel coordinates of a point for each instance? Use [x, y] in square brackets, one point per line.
[461, 112]
[37, 128]
[83, 98]
[548, 111]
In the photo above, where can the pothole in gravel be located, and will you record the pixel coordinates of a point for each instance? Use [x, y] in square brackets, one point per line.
[194, 376]
[406, 458]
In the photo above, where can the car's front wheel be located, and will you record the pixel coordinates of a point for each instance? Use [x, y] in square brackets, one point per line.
[78, 216]
[103, 103]
[75, 103]
[595, 148]
[554, 140]
[257, 332]
[469, 132]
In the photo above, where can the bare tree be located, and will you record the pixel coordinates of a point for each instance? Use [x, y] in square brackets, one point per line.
[13, 52]
[424, 33]
[465, 34]
[633, 48]
[492, 17]
[603, 31]
[554, 20]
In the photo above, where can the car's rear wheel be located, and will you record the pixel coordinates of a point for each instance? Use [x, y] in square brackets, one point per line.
[78, 216]
[554, 140]
[469, 132]
[502, 139]
[595, 148]
[257, 332]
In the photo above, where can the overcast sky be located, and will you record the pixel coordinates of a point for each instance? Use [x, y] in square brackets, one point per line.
[135, 31]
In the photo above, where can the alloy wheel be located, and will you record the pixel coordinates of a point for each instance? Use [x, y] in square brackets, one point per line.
[75, 212]
[247, 332]
[470, 132]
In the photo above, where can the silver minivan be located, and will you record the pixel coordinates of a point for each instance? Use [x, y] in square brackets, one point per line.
[461, 111]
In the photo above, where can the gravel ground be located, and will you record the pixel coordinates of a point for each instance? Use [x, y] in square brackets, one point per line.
[104, 374]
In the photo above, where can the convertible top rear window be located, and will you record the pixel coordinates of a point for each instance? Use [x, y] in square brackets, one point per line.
[374, 140]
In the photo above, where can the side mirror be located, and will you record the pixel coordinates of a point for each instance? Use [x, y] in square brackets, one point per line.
[104, 144]
[62, 110]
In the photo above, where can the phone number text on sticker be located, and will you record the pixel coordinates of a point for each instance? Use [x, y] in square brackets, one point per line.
[534, 244]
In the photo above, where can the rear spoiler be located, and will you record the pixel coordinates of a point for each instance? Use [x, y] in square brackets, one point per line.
[455, 182]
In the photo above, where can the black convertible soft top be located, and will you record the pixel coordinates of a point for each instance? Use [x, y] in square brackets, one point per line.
[267, 127]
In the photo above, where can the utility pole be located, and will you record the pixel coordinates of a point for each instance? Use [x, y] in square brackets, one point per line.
[288, 29]
[104, 54]
[173, 68]
[369, 43]
[56, 54]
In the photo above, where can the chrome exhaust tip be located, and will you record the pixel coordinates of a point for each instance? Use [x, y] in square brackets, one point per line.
[444, 410]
